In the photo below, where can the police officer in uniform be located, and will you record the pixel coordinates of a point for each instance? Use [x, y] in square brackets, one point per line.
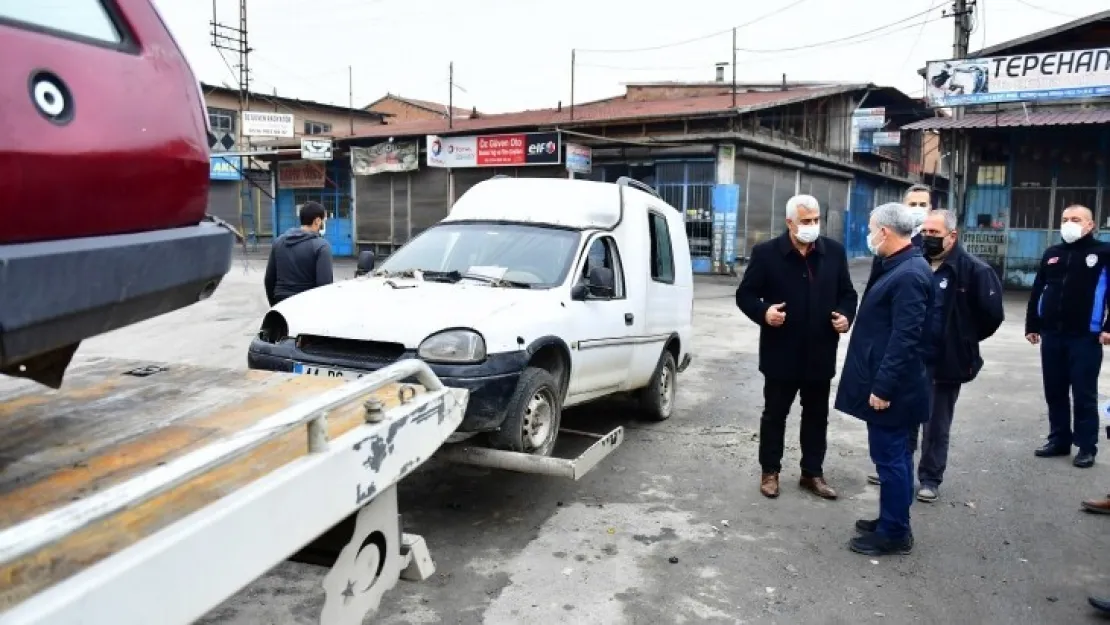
[1067, 317]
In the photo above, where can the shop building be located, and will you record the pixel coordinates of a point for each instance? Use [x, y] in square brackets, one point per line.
[1036, 135]
[240, 187]
[729, 163]
[399, 109]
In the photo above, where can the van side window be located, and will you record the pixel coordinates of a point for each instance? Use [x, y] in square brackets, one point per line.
[603, 253]
[83, 18]
[662, 254]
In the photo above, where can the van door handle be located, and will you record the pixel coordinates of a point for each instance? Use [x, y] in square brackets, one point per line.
[628, 319]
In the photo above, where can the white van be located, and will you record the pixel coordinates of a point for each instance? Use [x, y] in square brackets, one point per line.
[533, 294]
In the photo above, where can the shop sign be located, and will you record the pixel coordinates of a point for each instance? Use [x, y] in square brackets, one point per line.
[886, 139]
[1046, 76]
[316, 149]
[512, 150]
[385, 157]
[302, 175]
[263, 124]
[869, 119]
[579, 159]
[225, 168]
[985, 243]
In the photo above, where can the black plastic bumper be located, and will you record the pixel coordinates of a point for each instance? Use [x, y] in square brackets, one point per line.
[58, 293]
[491, 383]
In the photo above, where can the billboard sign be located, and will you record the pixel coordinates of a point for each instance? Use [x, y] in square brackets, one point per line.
[1045, 76]
[302, 175]
[886, 139]
[225, 168]
[262, 124]
[512, 150]
[869, 119]
[580, 159]
[316, 149]
[385, 157]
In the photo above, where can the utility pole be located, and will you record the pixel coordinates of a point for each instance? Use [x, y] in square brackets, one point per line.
[451, 95]
[234, 39]
[961, 35]
[572, 64]
[733, 68]
[351, 97]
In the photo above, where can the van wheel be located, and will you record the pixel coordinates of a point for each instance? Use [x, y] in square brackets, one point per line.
[532, 416]
[657, 398]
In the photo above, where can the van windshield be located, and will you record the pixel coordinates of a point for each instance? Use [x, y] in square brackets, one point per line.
[510, 254]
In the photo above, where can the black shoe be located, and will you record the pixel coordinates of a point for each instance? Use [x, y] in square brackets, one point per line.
[1084, 459]
[1052, 450]
[875, 545]
[1102, 605]
[867, 526]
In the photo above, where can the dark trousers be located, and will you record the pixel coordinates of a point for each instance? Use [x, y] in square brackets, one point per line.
[1071, 362]
[890, 451]
[935, 435]
[778, 397]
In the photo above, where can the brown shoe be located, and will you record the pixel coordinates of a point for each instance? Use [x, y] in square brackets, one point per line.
[1097, 506]
[769, 485]
[818, 486]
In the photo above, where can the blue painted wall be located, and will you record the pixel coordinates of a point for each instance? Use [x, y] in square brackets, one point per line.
[339, 231]
[860, 203]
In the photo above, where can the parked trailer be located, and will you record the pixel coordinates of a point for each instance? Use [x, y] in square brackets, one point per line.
[149, 493]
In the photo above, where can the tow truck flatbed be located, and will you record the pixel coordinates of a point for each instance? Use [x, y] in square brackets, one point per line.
[148, 493]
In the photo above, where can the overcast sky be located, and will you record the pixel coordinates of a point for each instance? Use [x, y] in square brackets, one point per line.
[515, 54]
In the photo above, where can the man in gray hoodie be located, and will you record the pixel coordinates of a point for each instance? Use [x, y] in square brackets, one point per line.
[300, 259]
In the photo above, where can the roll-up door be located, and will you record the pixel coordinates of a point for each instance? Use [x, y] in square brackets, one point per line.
[429, 199]
[374, 196]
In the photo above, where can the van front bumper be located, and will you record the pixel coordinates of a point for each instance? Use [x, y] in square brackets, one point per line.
[491, 383]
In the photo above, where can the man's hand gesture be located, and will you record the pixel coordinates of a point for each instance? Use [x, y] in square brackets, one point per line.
[775, 316]
[839, 322]
[878, 403]
[1033, 338]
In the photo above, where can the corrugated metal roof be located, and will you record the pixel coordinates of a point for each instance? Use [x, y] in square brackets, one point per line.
[1014, 119]
[616, 109]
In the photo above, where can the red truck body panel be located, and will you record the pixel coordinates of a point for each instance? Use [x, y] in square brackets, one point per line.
[132, 157]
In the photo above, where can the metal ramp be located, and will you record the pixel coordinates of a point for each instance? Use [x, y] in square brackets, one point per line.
[576, 453]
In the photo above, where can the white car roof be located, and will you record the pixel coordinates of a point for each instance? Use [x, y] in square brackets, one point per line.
[580, 204]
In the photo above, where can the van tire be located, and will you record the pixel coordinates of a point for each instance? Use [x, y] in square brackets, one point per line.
[536, 403]
[658, 397]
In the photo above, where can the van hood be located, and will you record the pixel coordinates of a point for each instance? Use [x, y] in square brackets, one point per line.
[397, 310]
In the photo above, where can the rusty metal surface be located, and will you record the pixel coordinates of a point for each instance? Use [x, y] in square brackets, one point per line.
[105, 426]
[1014, 119]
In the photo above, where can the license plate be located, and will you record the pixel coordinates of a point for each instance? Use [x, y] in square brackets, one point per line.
[326, 372]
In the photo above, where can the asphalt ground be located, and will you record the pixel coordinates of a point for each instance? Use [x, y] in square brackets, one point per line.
[672, 529]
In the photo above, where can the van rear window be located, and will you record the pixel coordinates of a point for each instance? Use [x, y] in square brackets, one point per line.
[83, 18]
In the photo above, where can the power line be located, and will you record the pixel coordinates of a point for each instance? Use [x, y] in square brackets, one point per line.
[696, 39]
[916, 42]
[847, 37]
[1046, 10]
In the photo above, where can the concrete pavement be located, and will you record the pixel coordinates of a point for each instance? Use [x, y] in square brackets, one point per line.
[672, 529]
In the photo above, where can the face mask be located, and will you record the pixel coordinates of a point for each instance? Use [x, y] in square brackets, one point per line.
[1071, 232]
[872, 246]
[323, 226]
[808, 234]
[932, 246]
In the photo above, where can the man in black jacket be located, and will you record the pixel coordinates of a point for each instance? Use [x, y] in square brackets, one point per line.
[300, 259]
[967, 310]
[1067, 317]
[797, 288]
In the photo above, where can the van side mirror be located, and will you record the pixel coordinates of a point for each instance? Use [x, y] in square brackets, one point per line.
[365, 263]
[601, 282]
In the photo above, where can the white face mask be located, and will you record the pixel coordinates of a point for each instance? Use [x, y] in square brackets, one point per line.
[872, 246]
[1071, 232]
[808, 234]
[323, 227]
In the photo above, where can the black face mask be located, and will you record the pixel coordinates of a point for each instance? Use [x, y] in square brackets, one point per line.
[932, 247]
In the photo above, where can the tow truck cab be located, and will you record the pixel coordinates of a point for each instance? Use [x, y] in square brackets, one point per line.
[103, 179]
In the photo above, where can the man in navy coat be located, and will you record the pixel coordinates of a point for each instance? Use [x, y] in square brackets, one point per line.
[884, 381]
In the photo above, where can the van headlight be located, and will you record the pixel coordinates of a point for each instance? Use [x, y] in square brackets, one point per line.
[454, 347]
